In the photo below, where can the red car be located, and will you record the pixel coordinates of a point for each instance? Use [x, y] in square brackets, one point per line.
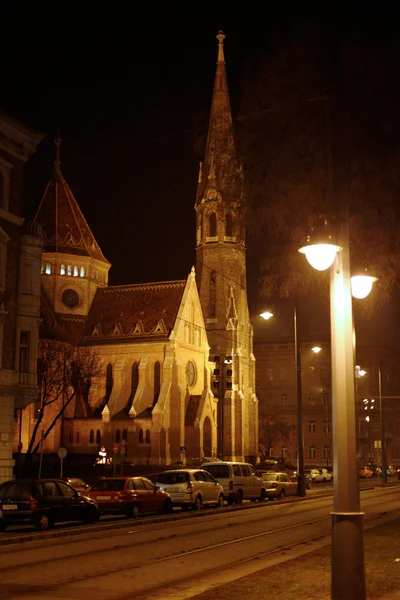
[130, 496]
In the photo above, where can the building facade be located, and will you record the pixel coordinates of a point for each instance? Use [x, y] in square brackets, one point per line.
[20, 260]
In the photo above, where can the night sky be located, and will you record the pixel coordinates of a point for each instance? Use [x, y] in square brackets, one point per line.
[129, 93]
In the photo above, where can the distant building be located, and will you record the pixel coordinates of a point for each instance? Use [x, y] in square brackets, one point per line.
[20, 260]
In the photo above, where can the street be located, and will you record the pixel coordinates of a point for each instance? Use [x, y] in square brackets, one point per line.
[173, 557]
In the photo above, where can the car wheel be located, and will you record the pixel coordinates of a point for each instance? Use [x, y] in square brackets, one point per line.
[198, 503]
[282, 494]
[91, 517]
[168, 506]
[263, 495]
[239, 497]
[230, 501]
[221, 501]
[3, 526]
[133, 511]
[43, 522]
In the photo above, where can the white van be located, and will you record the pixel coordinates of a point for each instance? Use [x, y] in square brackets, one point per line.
[240, 480]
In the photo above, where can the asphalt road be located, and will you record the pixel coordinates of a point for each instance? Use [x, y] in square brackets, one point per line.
[173, 557]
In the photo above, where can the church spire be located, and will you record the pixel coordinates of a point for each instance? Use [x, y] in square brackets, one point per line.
[220, 167]
[57, 169]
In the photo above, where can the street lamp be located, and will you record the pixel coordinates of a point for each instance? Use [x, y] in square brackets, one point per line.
[348, 573]
[301, 484]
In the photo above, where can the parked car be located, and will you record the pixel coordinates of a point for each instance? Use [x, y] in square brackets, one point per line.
[42, 503]
[315, 475]
[327, 475]
[130, 496]
[240, 480]
[307, 478]
[391, 470]
[191, 488]
[78, 484]
[278, 485]
[365, 471]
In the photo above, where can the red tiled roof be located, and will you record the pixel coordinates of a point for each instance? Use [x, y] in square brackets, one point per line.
[135, 310]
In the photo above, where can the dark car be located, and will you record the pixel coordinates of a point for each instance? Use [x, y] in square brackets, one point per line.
[130, 496]
[42, 503]
[78, 484]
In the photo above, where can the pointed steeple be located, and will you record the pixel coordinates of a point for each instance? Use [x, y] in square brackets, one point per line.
[64, 226]
[220, 169]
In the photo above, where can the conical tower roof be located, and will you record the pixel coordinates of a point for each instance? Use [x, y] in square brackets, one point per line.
[220, 168]
[65, 229]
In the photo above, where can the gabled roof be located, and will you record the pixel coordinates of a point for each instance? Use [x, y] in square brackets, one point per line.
[64, 226]
[116, 311]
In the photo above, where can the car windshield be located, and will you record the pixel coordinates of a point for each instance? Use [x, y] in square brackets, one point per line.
[13, 489]
[171, 478]
[218, 471]
[109, 485]
[269, 476]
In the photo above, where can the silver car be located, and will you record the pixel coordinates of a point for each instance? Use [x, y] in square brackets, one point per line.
[278, 485]
[191, 488]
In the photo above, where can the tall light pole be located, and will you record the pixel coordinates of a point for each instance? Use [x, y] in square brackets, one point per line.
[348, 573]
[383, 435]
[301, 483]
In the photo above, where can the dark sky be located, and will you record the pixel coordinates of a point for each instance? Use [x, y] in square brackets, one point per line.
[126, 92]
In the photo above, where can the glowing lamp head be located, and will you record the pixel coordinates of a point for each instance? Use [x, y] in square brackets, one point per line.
[320, 256]
[316, 349]
[361, 285]
[266, 315]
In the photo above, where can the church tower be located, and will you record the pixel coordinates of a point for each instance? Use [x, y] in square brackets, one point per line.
[221, 275]
[73, 266]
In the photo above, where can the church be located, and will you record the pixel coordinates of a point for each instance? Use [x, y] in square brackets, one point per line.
[177, 380]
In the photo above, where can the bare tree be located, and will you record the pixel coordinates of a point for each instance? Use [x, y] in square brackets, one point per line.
[274, 431]
[64, 372]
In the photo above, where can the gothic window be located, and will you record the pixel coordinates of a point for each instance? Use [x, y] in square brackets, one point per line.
[213, 224]
[140, 436]
[24, 339]
[76, 271]
[157, 381]
[91, 437]
[311, 452]
[117, 436]
[48, 269]
[134, 379]
[228, 225]
[109, 381]
[147, 436]
[213, 294]
[82, 271]
[199, 228]
[98, 436]
[69, 270]
[42, 269]
[62, 270]
[311, 426]
[124, 434]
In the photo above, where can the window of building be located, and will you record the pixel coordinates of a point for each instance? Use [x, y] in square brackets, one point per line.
[124, 434]
[91, 437]
[213, 224]
[228, 225]
[326, 452]
[109, 381]
[270, 374]
[325, 397]
[213, 294]
[69, 270]
[24, 339]
[98, 436]
[157, 381]
[311, 399]
[134, 379]
[82, 271]
[48, 269]
[42, 269]
[271, 452]
[311, 426]
[284, 451]
[62, 270]
[71, 437]
[311, 452]
[147, 436]
[283, 399]
[77, 437]
[4, 185]
[327, 426]
[140, 436]
[76, 271]
[282, 372]
[117, 436]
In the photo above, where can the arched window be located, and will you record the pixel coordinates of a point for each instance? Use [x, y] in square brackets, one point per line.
[157, 381]
[48, 269]
[62, 270]
[109, 381]
[117, 436]
[98, 436]
[140, 436]
[228, 225]
[42, 269]
[76, 271]
[213, 224]
[213, 294]
[82, 271]
[147, 436]
[69, 270]
[199, 228]
[124, 434]
[77, 437]
[91, 437]
[71, 437]
[134, 379]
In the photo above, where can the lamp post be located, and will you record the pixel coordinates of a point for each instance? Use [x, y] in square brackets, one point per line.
[301, 484]
[348, 572]
[382, 418]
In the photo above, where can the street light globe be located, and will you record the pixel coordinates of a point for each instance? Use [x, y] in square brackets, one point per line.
[320, 256]
[266, 315]
[316, 349]
[361, 285]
